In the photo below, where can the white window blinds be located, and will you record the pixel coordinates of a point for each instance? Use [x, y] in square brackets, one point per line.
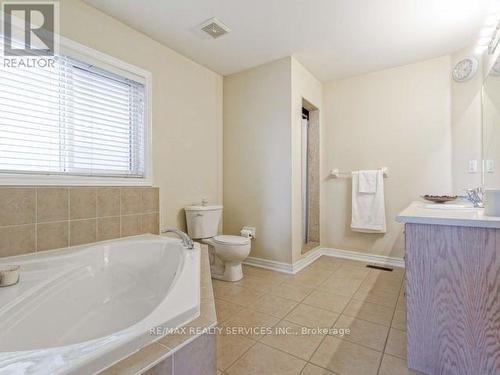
[71, 119]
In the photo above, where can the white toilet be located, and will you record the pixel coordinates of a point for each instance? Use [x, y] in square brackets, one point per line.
[226, 252]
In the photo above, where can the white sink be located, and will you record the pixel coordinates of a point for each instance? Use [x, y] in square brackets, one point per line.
[449, 206]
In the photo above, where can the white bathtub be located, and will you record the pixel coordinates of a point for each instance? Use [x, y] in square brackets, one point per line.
[78, 310]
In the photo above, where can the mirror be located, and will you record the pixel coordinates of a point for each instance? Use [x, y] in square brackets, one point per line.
[491, 129]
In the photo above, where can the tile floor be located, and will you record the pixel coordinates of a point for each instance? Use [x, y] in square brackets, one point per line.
[332, 294]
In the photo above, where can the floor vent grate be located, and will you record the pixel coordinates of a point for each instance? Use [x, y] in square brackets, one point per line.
[380, 268]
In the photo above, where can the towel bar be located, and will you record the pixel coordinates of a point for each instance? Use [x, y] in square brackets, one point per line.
[335, 173]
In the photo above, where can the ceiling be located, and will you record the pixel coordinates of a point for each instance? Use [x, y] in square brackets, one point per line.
[332, 38]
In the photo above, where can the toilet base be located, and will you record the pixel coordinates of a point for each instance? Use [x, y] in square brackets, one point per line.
[225, 261]
[231, 272]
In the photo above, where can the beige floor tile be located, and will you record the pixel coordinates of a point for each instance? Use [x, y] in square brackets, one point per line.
[325, 263]
[256, 283]
[403, 288]
[293, 339]
[263, 360]
[399, 320]
[311, 369]
[262, 273]
[395, 366]
[311, 277]
[225, 310]
[346, 358]
[350, 262]
[273, 305]
[378, 297]
[235, 294]
[230, 348]
[396, 343]
[341, 286]
[290, 291]
[223, 287]
[401, 305]
[250, 323]
[327, 301]
[395, 274]
[369, 311]
[381, 283]
[362, 332]
[350, 272]
[313, 317]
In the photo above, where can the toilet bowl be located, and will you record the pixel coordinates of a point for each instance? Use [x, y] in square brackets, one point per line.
[227, 252]
[226, 255]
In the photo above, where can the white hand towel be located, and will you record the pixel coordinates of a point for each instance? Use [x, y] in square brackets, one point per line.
[368, 210]
[367, 182]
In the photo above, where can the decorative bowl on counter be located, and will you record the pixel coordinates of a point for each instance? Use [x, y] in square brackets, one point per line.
[440, 198]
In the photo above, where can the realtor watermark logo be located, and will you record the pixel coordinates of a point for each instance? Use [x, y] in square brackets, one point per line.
[30, 31]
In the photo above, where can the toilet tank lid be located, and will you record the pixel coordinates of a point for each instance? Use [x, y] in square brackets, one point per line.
[203, 208]
[231, 240]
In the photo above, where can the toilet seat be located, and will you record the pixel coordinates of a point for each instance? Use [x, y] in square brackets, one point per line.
[231, 240]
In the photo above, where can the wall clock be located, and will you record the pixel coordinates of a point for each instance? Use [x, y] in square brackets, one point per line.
[465, 69]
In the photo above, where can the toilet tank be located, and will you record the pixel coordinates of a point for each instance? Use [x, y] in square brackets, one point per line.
[203, 221]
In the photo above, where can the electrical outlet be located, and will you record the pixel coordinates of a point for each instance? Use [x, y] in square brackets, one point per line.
[472, 166]
[490, 166]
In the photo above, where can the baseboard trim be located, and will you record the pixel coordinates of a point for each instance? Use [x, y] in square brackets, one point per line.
[364, 257]
[312, 255]
[269, 264]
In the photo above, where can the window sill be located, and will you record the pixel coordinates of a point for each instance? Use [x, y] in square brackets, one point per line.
[54, 180]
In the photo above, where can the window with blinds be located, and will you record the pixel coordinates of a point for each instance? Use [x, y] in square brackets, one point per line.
[71, 119]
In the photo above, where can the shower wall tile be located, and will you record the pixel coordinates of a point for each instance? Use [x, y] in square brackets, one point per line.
[44, 218]
[108, 228]
[150, 200]
[18, 206]
[149, 223]
[17, 239]
[82, 232]
[131, 201]
[131, 225]
[82, 203]
[108, 201]
[52, 204]
[52, 235]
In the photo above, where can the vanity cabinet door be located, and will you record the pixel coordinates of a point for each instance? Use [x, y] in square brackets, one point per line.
[453, 299]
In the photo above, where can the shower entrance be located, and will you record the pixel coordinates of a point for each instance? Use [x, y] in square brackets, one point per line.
[310, 176]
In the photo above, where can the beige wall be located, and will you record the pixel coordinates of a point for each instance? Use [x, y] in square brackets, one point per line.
[304, 86]
[257, 162]
[399, 118]
[466, 125]
[491, 129]
[187, 108]
[262, 154]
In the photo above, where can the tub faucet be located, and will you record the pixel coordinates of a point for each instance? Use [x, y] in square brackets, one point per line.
[186, 240]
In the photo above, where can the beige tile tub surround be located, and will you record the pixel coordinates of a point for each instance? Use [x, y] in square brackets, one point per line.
[45, 218]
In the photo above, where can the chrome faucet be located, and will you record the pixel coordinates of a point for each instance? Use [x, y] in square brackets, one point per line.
[186, 240]
[475, 196]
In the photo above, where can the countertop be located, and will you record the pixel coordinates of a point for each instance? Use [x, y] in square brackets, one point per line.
[417, 213]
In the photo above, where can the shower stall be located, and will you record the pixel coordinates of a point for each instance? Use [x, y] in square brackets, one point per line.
[310, 176]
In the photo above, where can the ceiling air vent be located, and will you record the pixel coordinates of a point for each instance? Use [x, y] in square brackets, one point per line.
[214, 28]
